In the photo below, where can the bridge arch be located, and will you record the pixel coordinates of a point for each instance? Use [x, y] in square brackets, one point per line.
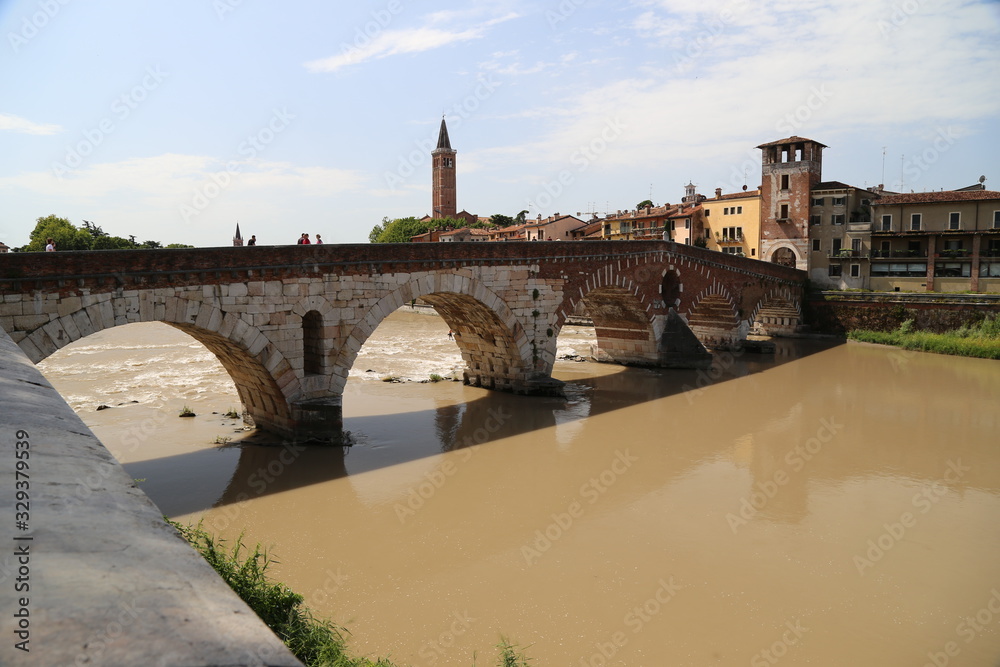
[715, 318]
[620, 310]
[784, 254]
[493, 343]
[256, 367]
[777, 313]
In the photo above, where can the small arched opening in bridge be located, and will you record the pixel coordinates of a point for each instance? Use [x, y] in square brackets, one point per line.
[312, 343]
[715, 319]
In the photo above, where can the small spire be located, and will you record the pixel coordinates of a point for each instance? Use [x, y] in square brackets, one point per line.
[443, 141]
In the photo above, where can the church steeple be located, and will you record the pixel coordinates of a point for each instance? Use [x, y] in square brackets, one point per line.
[443, 140]
[238, 239]
[443, 186]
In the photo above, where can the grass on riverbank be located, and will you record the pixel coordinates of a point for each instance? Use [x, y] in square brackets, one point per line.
[316, 642]
[981, 340]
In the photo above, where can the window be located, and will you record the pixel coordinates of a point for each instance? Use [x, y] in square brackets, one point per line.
[996, 219]
[855, 270]
[954, 221]
[818, 201]
[817, 246]
[839, 201]
[837, 219]
[753, 251]
[886, 269]
[784, 212]
[732, 250]
[836, 246]
[886, 223]
[687, 223]
[915, 222]
[448, 162]
[687, 241]
[834, 270]
[708, 212]
[814, 220]
[856, 245]
[312, 343]
[784, 181]
[626, 227]
[885, 248]
[739, 209]
[607, 230]
[725, 211]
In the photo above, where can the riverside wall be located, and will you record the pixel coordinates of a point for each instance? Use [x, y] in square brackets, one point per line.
[839, 312]
[90, 573]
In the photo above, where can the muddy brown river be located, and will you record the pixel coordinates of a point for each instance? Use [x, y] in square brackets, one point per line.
[831, 504]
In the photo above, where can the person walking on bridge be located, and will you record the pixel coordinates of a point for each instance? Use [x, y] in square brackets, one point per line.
[50, 245]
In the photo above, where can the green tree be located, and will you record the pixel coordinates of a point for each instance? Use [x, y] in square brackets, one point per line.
[401, 230]
[501, 220]
[644, 203]
[519, 218]
[65, 235]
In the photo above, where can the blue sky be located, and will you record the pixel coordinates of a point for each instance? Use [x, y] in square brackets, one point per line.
[173, 121]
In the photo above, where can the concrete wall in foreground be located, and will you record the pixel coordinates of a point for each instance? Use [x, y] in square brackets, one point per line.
[90, 574]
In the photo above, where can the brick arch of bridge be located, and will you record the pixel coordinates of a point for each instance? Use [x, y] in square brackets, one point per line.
[714, 317]
[493, 343]
[263, 377]
[779, 312]
[618, 299]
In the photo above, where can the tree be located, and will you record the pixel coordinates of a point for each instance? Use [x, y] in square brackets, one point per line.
[401, 230]
[519, 218]
[377, 230]
[501, 220]
[65, 235]
[644, 203]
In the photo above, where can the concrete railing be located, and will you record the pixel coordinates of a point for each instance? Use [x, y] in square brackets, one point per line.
[90, 574]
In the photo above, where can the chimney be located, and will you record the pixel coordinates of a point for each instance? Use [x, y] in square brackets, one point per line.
[718, 193]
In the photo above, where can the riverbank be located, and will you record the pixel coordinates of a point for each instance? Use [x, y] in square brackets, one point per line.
[315, 641]
[981, 341]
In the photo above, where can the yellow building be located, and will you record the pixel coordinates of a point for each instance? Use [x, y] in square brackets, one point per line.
[732, 223]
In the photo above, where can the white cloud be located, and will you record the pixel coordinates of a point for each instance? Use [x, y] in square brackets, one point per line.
[25, 126]
[410, 40]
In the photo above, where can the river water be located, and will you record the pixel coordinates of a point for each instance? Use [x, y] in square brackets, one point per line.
[831, 504]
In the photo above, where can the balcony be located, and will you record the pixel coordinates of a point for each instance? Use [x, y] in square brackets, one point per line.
[891, 254]
[847, 253]
[729, 240]
[859, 227]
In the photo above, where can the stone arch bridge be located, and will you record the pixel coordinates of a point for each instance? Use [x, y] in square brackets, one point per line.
[287, 322]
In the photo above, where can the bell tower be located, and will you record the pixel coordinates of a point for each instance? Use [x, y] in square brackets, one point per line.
[790, 168]
[443, 204]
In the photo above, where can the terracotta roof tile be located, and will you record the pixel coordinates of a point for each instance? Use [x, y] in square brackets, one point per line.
[936, 197]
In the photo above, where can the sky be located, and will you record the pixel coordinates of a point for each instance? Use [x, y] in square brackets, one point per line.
[175, 121]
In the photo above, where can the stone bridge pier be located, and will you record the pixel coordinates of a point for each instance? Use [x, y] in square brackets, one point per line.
[288, 323]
